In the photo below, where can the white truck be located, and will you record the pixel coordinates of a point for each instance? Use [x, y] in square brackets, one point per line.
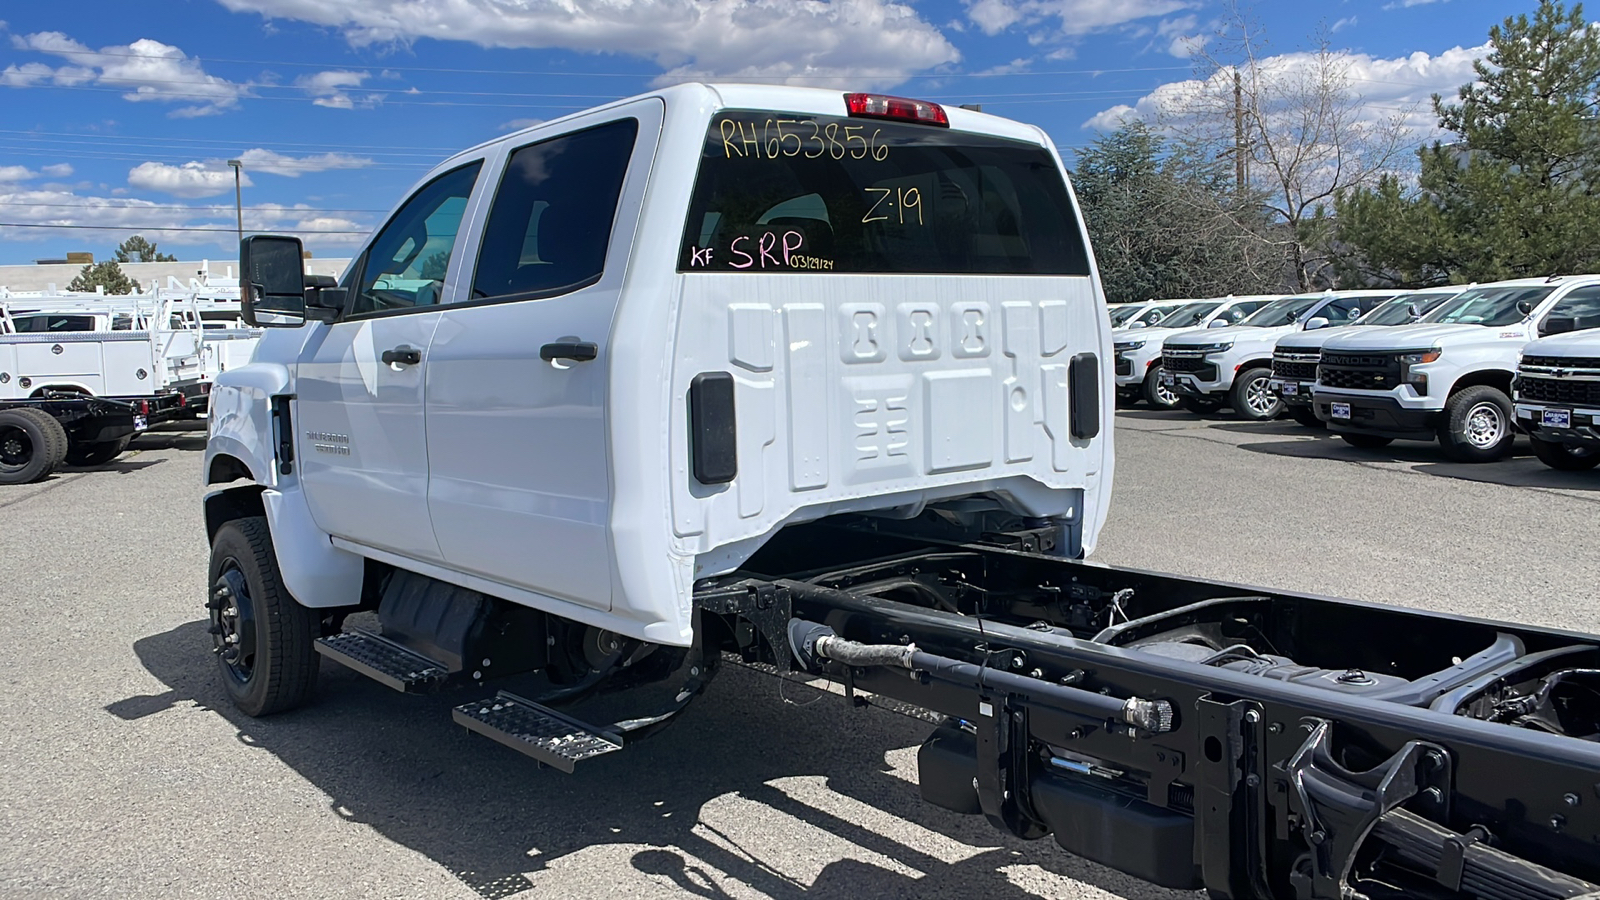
[1138, 350]
[1557, 390]
[1447, 378]
[823, 380]
[1295, 356]
[1211, 368]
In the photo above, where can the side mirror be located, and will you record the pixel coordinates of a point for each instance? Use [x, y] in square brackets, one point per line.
[1137, 325]
[1414, 311]
[273, 289]
[1525, 307]
[1562, 325]
[1316, 322]
[1218, 323]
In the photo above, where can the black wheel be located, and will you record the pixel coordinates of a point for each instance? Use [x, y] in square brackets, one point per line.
[1201, 405]
[99, 453]
[1477, 425]
[32, 444]
[1568, 459]
[1251, 398]
[1306, 416]
[262, 636]
[1157, 394]
[1365, 441]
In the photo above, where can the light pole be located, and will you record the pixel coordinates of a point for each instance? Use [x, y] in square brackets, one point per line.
[238, 196]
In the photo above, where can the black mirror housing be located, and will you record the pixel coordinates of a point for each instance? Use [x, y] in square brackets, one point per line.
[272, 281]
[1558, 325]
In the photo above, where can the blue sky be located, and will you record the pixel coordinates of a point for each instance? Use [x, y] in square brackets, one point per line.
[336, 107]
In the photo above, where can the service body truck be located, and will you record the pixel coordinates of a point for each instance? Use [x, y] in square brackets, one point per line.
[1448, 377]
[1211, 368]
[824, 380]
[1295, 356]
[1138, 350]
[1557, 393]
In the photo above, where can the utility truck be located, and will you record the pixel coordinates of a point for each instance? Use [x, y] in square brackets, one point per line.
[1138, 350]
[1447, 378]
[823, 380]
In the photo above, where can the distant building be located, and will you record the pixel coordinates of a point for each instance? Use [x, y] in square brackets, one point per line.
[44, 273]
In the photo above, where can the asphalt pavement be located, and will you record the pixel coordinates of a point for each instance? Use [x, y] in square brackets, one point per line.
[124, 772]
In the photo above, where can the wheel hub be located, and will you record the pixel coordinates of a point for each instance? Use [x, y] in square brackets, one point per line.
[1259, 399]
[233, 632]
[15, 448]
[1485, 425]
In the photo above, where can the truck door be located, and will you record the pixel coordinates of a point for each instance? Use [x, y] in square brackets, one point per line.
[359, 418]
[519, 485]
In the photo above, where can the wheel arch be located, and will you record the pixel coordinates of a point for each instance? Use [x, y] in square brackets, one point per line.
[228, 504]
[1500, 379]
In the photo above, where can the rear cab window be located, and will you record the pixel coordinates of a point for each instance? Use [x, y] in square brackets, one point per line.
[800, 193]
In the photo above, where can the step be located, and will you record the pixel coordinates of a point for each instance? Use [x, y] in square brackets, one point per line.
[540, 732]
[384, 661]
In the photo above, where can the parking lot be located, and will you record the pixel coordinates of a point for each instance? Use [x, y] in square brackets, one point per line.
[123, 771]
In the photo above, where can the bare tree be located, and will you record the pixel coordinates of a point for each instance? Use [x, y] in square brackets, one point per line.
[1298, 132]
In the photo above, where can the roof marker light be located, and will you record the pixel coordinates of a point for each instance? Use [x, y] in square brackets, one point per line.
[881, 106]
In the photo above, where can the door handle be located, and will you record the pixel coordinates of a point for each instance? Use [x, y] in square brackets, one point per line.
[577, 351]
[402, 356]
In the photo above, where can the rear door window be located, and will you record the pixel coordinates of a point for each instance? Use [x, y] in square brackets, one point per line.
[785, 192]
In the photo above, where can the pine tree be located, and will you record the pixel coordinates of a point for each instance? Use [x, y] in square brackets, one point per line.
[105, 274]
[137, 249]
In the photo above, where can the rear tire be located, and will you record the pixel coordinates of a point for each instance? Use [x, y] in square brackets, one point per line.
[1477, 425]
[1251, 398]
[1567, 459]
[80, 453]
[32, 444]
[1366, 441]
[1156, 394]
[263, 638]
[1307, 416]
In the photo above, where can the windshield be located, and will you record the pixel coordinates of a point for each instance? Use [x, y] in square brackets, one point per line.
[1190, 314]
[1123, 314]
[1490, 306]
[1282, 312]
[1397, 311]
[797, 193]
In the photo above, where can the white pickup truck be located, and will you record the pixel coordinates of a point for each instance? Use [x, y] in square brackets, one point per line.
[1557, 391]
[1447, 378]
[822, 380]
[1138, 350]
[1210, 368]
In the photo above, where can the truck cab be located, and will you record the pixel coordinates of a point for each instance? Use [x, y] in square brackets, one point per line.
[1448, 377]
[1295, 357]
[1138, 350]
[1214, 367]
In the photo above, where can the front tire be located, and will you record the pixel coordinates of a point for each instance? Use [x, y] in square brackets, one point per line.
[1251, 398]
[96, 454]
[1158, 395]
[263, 638]
[1567, 459]
[32, 444]
[1477, 425]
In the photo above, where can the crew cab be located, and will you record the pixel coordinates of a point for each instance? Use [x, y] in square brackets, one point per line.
[1232, 366]
[1295, 357]
[1448, 377]
[1557, 392]
[823, 380]
[1138, 350]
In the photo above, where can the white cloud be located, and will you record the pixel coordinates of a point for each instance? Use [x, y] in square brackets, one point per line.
[1342, 24]
[876, 42]
[38, 210]
[519, 124]
[1407, 4]
[59, 170]
[331, 89]
[1076, 17]
[259, 160]
[1388, 87]
[190, 180]
[16, 173]
[146, 70]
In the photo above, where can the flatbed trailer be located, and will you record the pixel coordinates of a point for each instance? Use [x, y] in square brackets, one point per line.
[40, 433]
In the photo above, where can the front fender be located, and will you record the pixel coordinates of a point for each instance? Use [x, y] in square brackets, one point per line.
[240, 423]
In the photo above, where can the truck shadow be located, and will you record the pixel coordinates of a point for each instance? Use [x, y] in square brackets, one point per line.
[706, 798]
[178, 436]
[1520, 469]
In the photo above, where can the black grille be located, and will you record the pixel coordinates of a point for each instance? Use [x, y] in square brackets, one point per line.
[1183, 363]
[1558, 390]
[1359, 371]
[1300, 371]
[1563, 362]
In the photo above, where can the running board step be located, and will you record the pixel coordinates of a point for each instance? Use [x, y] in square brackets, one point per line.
[540, 732]
[384, 661]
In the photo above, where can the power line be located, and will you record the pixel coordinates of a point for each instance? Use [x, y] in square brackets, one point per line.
[168, 140]
[219, 208]
[154, 228]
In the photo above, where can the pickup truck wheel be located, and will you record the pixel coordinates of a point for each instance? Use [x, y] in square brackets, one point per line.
[263, 637]
[1157, 394]
[1306, 416]
[1477, 425]
[80, 453]
[1366, 441]
[1557, 455]
[1251, 398]
[32, 444]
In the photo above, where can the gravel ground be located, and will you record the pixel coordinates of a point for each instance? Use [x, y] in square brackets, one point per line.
[123, 771]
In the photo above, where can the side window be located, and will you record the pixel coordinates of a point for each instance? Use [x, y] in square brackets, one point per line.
[1582, 306]
[1345, 309]
[551, 220]
[406, 263]
[1241, 311]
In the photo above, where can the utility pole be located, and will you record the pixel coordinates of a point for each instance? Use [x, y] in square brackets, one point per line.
[1239, 172]
[238, 195]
